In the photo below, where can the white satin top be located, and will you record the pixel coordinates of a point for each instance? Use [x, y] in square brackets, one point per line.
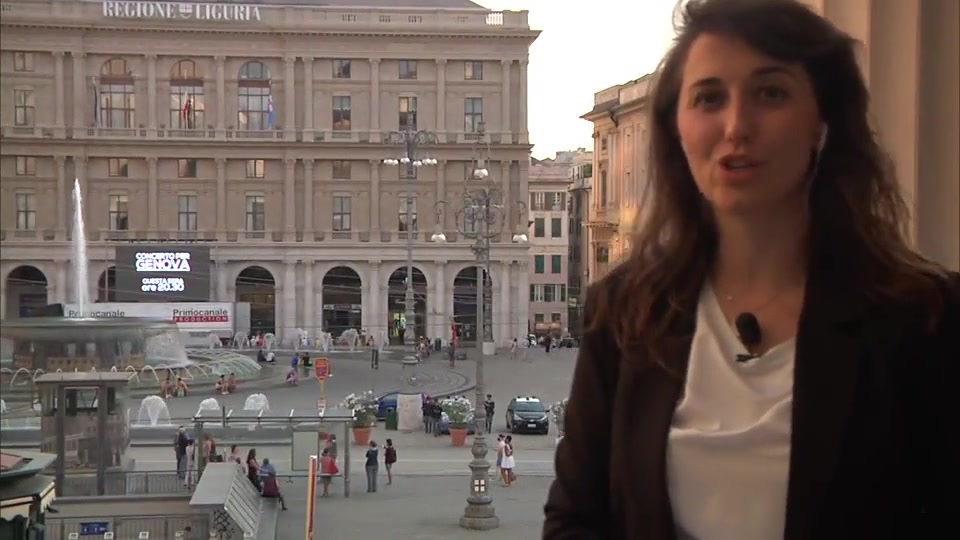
[728, 451]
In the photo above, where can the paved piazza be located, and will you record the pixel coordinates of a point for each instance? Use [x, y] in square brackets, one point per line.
[432, 478]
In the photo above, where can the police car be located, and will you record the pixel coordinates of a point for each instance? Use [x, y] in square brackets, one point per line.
[527, 414]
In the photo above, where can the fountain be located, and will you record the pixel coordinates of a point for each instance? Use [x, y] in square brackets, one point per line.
[256, 402]
[326, 341]
[80, 260]
[77, 343]
[352, 337]
[156, 412]
[209, 404]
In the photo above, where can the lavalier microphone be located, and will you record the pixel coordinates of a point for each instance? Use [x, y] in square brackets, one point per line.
[748, 330]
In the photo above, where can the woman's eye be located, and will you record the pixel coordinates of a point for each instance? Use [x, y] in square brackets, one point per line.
[708, 99]
[772, 93]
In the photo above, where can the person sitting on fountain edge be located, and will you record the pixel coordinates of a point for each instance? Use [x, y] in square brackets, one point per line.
[181, 390]
[166, 387]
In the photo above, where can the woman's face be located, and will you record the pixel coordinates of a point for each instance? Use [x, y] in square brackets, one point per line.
[747, 124]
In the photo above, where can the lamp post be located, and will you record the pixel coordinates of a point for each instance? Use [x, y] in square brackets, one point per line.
[410, 140]
[482, 217]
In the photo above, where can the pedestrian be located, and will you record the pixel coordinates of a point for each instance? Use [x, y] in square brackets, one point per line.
[372, 466]
[500, 446]
[189, 465]
[180, 448]
[508, 463]
[328, 468]
[389, 458]
[489, 409]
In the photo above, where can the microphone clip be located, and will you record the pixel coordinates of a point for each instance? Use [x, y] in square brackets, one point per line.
[744, 358]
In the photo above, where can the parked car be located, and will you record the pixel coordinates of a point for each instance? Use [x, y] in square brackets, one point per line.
[528, 414]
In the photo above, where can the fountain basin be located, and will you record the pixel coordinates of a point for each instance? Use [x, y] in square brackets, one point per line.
[83, 344]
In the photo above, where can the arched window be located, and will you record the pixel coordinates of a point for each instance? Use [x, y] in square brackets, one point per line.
[255, 107]
[186, 96]
[114, 95]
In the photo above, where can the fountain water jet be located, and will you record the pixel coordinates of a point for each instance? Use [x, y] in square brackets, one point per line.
[156, 412]
[80, 260]
[256, 402]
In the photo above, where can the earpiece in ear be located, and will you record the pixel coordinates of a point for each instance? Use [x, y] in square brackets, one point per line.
[824, 130]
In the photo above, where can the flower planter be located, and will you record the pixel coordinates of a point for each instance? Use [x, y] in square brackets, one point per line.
[361, 435]
[458, 436]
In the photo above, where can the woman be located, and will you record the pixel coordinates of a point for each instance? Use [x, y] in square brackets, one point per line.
[389, 458]
[328, 469]
[829, 413]
[190, 466]
[253, 469]
[372, 467]
[508, 463]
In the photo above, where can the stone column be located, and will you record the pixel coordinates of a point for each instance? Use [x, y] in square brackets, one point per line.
[61, 282]
[505, 102]
[222, 294]
[289, 200]
[508, 201]
[378, 316]
[506, 326]
[153, 219]
[440, 304]
[221, 95]
[221, 196]
[441, 194]
[290, 98]
[3, 299]
[289, 310]
[522, 299]
[523, 128]
[59, 98]
[375, 100]
[62, 191]
[374, 200]
[80, 102]
[442, 99]
[307, 98]
[308, 198]
[152, 94]
[497, 321]
[310, 323]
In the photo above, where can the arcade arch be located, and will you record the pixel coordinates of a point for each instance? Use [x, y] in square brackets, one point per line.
[342, 291]
[256, 285]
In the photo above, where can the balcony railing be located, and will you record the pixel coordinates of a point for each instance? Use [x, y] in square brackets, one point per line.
[316, 135]
[240, 236]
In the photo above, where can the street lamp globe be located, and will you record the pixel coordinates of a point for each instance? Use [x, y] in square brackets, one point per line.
[438, 237]
[480, 174]
[405, 160]
[520, 238]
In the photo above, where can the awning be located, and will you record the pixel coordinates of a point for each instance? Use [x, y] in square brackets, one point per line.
[19, 496]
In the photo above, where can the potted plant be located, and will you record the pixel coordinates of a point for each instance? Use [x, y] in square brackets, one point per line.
[459, 411]
[559, 411]
[364, 407]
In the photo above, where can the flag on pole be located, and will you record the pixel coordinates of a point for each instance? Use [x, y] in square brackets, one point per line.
[270, 112]
[185, 110]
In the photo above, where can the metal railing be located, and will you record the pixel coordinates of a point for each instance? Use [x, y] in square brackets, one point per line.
[122, 483]
[157, 527]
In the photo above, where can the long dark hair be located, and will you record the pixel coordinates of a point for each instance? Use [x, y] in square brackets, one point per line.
[859, 219]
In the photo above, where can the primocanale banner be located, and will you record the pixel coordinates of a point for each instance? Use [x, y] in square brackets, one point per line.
[189, 316]
[180, 10]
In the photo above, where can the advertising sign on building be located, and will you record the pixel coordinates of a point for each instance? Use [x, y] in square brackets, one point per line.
[189, 316]
[163, 273]
[120, 9]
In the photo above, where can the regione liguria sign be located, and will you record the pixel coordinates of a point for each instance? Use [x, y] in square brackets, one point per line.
[118, 9]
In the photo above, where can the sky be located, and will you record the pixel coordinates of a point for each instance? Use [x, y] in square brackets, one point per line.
[584, 47]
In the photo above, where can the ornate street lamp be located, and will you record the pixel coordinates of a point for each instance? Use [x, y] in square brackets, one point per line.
[410, 140]
[483, 217]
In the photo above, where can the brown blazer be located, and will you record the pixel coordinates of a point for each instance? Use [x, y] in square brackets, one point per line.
[874, 446]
